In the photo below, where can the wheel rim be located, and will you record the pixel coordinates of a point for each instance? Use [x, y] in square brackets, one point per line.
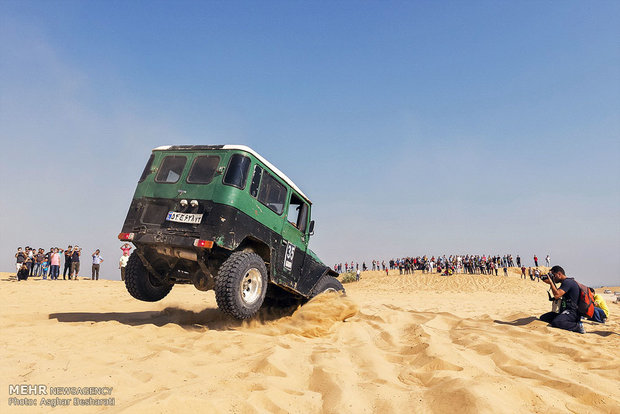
[251, 286]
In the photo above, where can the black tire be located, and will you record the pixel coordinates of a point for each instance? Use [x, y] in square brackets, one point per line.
[141, 284]
[241, 285]
[327, 284]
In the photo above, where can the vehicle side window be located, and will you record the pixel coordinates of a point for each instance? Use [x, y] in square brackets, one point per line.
[237, 172]
[203, 169]
[147, 168]
[297, 213]
[171, 169]
[271, 193]
[258, 172]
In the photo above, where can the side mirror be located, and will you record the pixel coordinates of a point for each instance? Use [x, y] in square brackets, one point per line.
[311, 232]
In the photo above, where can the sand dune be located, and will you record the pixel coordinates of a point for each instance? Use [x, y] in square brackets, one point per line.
[411, 343]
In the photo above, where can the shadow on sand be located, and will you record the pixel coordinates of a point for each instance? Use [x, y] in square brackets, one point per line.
[602, 333]
[518, 322]
[209, 318]
[530, 319]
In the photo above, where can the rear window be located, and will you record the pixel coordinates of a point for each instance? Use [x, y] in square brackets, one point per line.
[203, 169]
[171, 169]
[272, 193]
[237, 172]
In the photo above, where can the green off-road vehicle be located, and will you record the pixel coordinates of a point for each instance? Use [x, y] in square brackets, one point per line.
[221, 217]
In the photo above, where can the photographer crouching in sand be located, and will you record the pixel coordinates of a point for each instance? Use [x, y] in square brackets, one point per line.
[568, 316]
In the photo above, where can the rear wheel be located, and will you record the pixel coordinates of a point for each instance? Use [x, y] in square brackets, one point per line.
[327, 284]
[141, 284]
[241, 285]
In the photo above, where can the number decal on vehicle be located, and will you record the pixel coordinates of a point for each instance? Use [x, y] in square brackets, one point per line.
[290, 255]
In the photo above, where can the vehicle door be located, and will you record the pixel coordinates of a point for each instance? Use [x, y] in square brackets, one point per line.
[294, 238]
[269, 192]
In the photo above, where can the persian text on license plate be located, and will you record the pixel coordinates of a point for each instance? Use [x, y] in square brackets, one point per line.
[184, 217]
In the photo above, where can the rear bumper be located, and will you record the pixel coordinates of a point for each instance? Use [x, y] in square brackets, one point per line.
[161, 238]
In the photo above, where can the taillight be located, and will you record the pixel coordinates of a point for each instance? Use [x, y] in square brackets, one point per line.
[125, 236]
[206, 244]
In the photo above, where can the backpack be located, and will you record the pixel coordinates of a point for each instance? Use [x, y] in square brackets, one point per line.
[585, 304]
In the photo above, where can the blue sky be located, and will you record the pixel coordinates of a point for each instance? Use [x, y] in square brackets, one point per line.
[415, 127]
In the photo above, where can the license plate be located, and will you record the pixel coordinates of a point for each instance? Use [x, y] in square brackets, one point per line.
[184, 217]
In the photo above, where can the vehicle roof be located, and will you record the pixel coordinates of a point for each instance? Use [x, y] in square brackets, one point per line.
[235, 147]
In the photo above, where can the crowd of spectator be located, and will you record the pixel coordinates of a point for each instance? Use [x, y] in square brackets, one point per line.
[33, 262]
[469, 263]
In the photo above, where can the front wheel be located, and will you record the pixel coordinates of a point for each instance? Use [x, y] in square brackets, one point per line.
[241, 285]
[141, 284]
[327, 284]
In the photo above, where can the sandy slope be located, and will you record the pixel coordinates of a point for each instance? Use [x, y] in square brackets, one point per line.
[421, 343]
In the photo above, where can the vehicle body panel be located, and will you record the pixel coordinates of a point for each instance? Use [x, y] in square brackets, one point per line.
[231, 218]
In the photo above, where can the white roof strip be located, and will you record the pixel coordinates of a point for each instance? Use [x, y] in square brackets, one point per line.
[268, 164]
[260, 158]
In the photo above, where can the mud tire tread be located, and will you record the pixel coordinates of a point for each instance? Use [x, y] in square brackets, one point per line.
[327, 282]
[227, 284]
[138, 284]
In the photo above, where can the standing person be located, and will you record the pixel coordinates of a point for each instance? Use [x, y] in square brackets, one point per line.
[55, 264]
[505, 271]
[518, 261]
[97, 260]
[357, 275]
[36, 265]
[123, 263]
[569, 291]
[39, 259]
[523, 272]
[45, 268]
[536, 260]
[67, 269]
[20, 258]
[30, 253]
[29, 262]
[548, 260]
[537, 274]
[48, 259]
[126, 248]
[75, 262]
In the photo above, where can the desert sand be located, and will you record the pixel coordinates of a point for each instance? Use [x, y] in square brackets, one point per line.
[395, 344]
